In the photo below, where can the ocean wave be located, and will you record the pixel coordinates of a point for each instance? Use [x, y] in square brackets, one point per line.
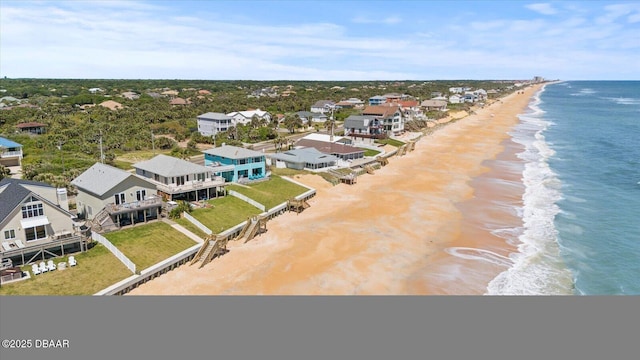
[584, 92]
[623, 100]
[537, 266]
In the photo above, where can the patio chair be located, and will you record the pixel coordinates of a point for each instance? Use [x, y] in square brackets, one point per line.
[35, 269]
[50, 265]
[72, 261]
[43, 267]
[20, 244]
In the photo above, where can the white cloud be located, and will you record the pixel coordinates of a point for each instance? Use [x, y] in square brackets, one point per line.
[389, 20]
[542, 8]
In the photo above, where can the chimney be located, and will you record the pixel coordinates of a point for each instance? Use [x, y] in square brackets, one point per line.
[61, 196]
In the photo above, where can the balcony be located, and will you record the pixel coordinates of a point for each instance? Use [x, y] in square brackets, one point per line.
[9, 154]
[191, 185]
[150, 202]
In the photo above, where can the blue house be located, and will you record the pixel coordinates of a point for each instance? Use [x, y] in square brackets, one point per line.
[235, 163]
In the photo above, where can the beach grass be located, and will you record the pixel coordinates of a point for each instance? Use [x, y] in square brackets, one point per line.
[150, 243]
[224, 213]
[97, 269]
[270, 193]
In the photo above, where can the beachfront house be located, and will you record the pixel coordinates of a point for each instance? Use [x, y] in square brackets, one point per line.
[112, 197]
[390, 118]
[304, 158]
[434, 105]
[363, 126]
[35, 222]
[177, 179]
[455, 99]
[236, 164]
[211, 123]
[337, 149]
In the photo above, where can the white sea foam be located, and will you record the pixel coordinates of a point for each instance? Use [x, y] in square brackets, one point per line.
[537, 268]
[623, 100]
[584, 92]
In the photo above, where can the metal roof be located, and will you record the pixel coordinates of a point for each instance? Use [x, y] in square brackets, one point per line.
[4, 142]
[233, 152]
[100, 178]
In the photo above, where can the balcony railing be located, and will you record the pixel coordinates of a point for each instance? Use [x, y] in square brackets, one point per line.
[191, 185]
[6, 154]
[149, 202]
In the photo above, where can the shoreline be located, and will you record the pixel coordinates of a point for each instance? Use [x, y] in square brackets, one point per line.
[393, 233]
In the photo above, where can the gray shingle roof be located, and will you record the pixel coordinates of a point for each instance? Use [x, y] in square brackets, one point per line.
[12, 193]
[360, 122]
[100, 178]
[305, 155]
[233, 152]
[169, 166]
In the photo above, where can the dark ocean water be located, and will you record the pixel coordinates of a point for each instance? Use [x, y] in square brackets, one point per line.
[581, 212]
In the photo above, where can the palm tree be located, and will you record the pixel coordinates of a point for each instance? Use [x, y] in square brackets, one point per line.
[292, 121]
[330, 125]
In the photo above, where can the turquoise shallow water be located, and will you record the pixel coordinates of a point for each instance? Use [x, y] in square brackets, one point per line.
[581, 213]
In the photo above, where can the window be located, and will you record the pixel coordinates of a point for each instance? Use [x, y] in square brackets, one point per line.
[141, 194]
[119, 198]
[243, 161]
[32, 210]
[35, 233]
[9, 234]
[257, 159]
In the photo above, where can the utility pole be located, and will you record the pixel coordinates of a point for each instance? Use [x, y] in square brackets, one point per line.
[101, 153]
[61, 154]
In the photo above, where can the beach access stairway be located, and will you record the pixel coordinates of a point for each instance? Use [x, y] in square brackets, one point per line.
[252, 228]
[210, 248]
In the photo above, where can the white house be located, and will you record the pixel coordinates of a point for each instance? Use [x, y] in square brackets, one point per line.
[212, 123]
[455, 99]
[244, 117]
[323, 106]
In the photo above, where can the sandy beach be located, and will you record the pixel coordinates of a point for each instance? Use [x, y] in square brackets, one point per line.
[428, 223]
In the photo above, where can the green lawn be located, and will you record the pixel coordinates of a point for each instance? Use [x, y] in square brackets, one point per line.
[225, 213]
[270, 193]
[151, 243]
[96, 270]
[189, 226]
[396, 143]
[370, 152]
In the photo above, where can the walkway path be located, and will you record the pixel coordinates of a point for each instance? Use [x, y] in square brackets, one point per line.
[183, 230]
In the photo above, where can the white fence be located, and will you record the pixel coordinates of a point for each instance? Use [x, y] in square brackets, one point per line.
[104, 241]
[244, 198]
[197, 223]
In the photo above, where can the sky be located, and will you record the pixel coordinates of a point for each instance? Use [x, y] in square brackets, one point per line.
[320, 40]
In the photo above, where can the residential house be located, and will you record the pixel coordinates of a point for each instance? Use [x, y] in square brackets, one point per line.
[410, 109]
[114, 197]
[364, 126]
[377, 100]
[236, 164]
[95, 90]
[212, 123]
[244, 117]
[328, 138]
[350, 103]
[456, 99]
[469, 97]
[10, 152]
[434, 105]
[323, 106]
[170, 93]
[304, 158]
[204, 92]
[390, 117]
[456, 90]
[307, 116]
[130, 95]
[337, 149]
[480, 94]
[111, 105]
[35, 222]
[179, 101]
[177, 179]
[32, 127]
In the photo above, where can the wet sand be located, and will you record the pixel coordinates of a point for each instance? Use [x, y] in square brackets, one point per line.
[428, 223]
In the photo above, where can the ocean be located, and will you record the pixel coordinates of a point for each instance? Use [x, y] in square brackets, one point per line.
[581, 206]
